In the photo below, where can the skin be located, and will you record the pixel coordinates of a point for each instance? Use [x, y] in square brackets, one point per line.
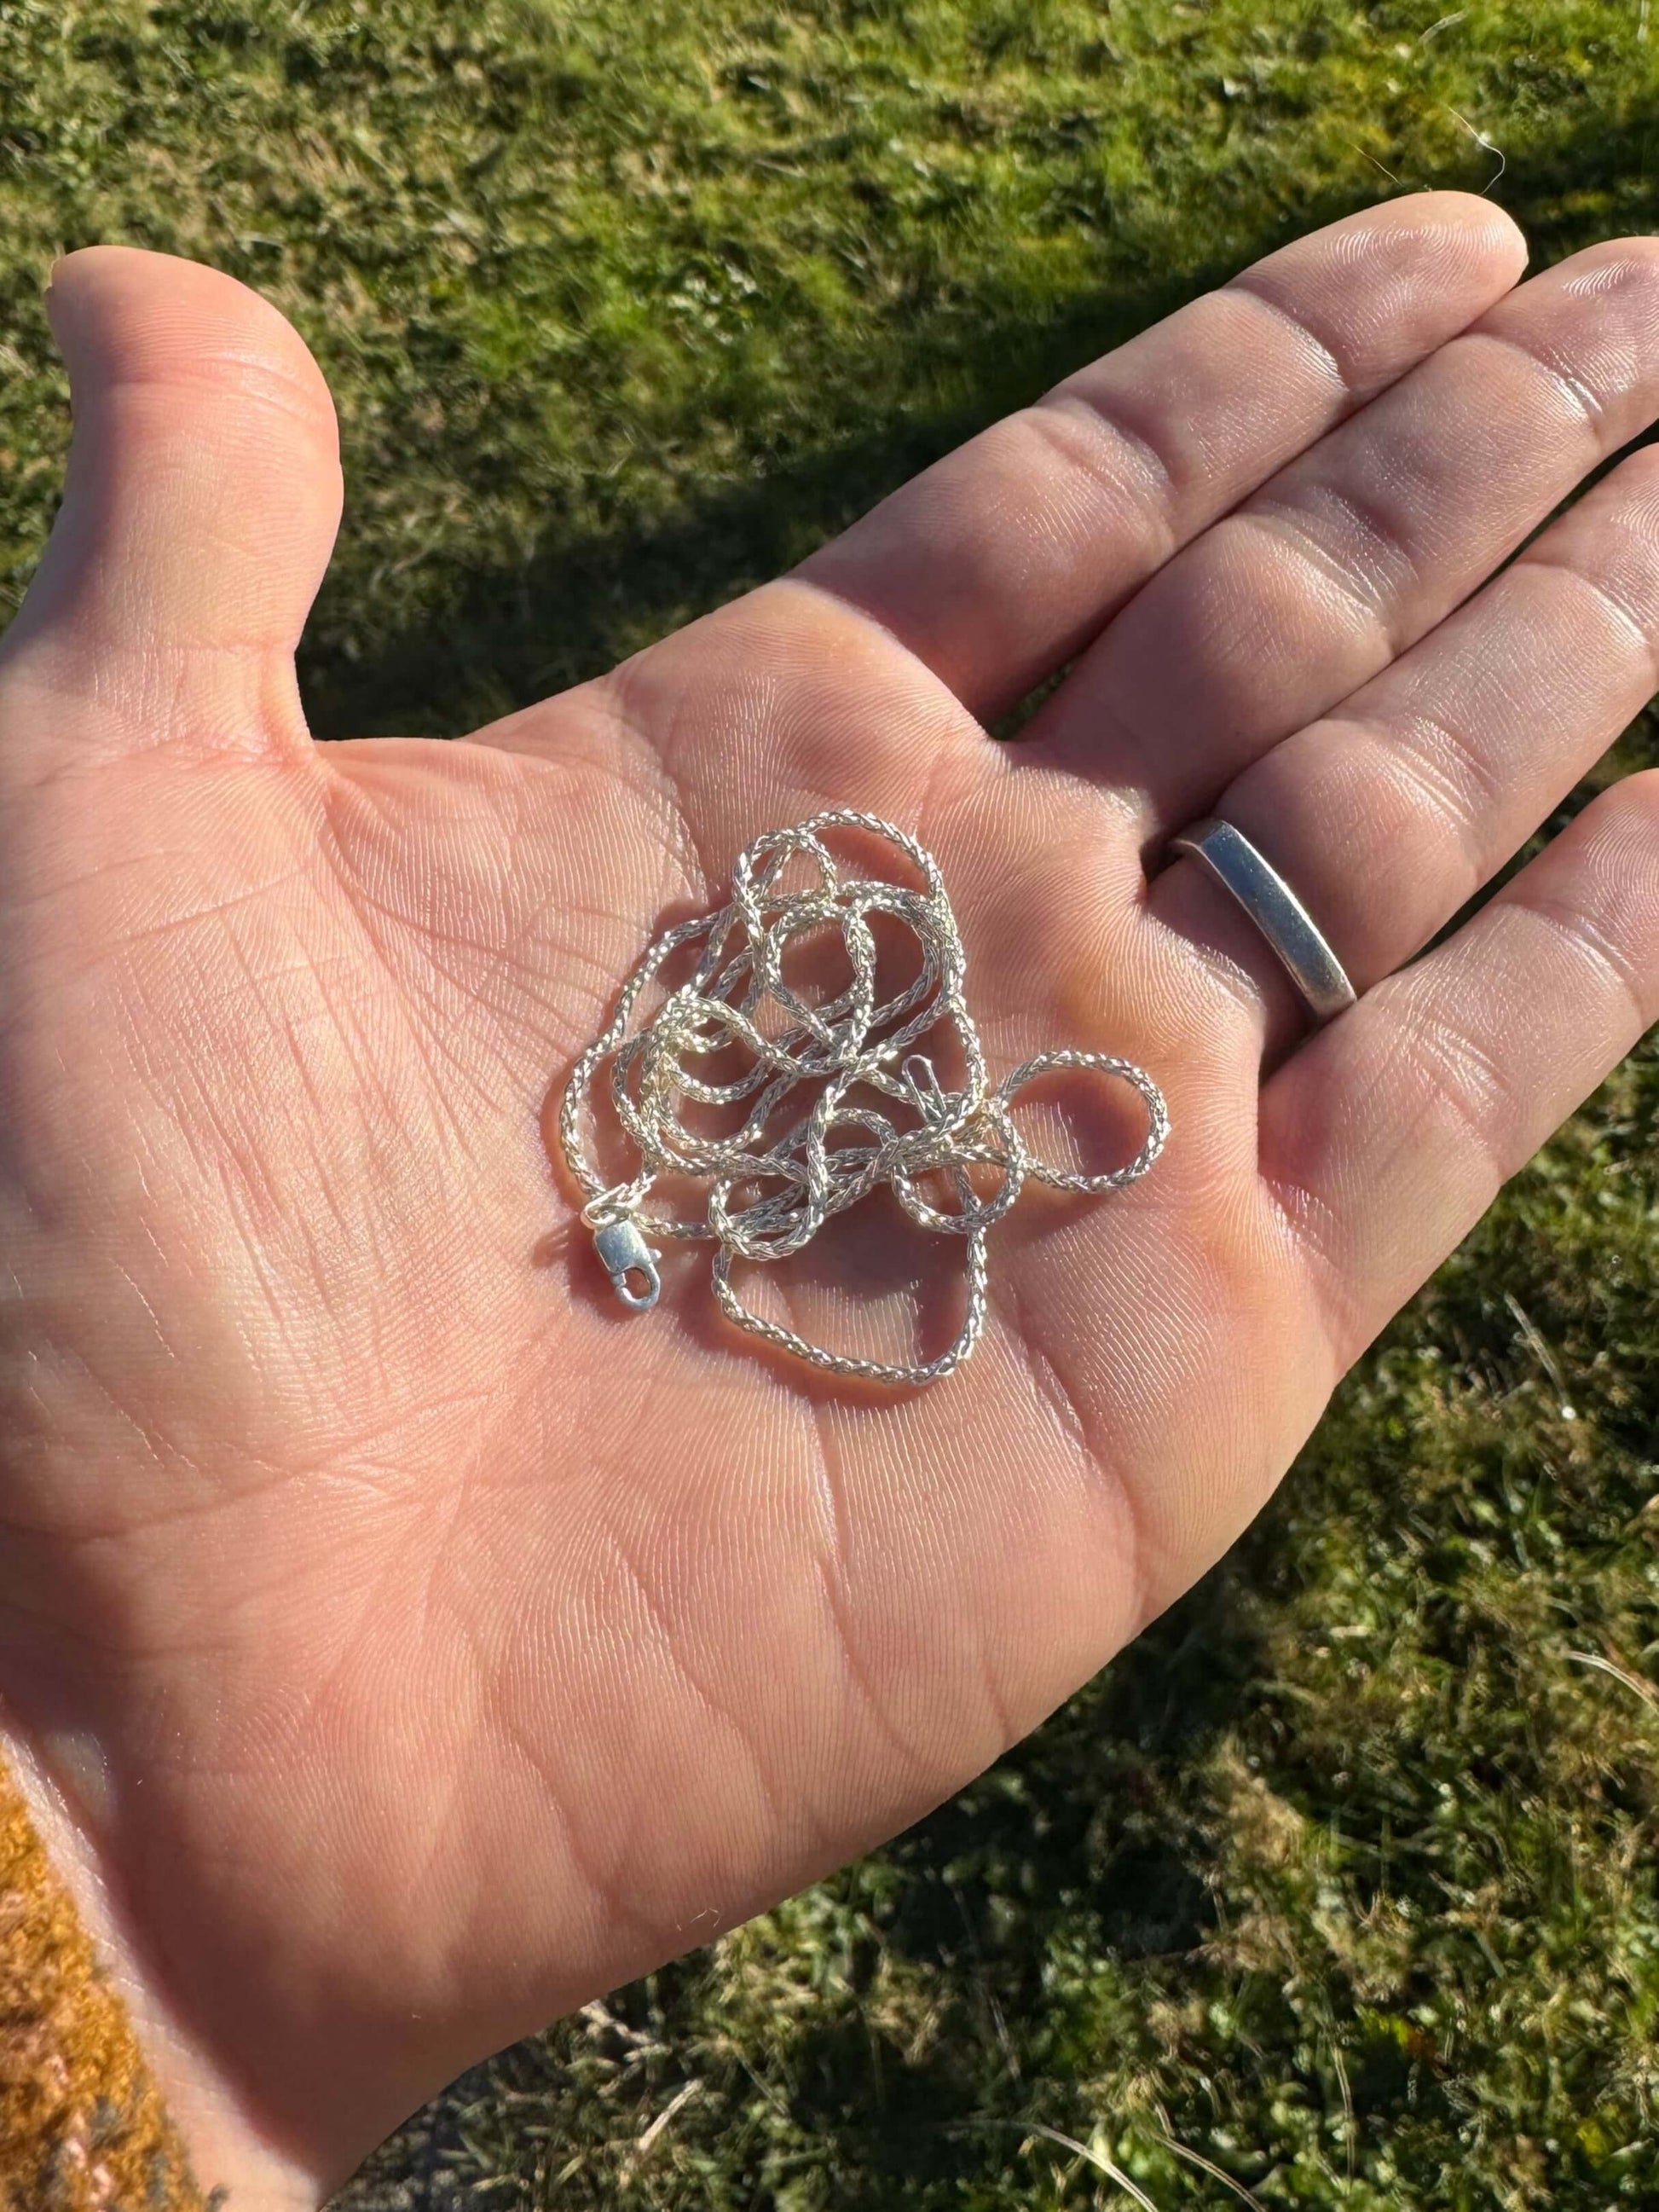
[401, 1644]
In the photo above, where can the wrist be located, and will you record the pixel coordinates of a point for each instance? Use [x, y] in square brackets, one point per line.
[106, 2099]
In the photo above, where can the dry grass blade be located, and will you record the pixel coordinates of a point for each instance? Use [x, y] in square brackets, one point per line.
[1648, 1693]
[1216, 2172]
[1097, 2158]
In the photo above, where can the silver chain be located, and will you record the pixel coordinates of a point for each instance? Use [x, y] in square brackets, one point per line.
[737, 997]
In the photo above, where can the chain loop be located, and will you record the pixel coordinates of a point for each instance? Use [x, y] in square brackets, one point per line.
[769, 1196]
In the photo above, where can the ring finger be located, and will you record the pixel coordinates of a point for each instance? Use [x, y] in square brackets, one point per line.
[1388, 814]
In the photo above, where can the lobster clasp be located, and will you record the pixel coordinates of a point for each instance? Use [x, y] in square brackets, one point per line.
[624, 1252]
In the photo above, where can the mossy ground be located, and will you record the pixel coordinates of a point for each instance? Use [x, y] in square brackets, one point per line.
[1338, 1890]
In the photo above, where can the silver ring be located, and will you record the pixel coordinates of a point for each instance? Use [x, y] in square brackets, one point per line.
[1228, 855]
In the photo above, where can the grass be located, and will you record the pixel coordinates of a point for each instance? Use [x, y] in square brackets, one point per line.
[1339, 1889]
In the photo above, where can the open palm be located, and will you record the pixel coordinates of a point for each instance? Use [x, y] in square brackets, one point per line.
[409, 1643]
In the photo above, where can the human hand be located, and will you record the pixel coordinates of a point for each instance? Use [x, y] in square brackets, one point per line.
[402, 1644]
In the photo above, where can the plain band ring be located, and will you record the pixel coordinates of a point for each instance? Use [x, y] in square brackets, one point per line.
[1228, 855]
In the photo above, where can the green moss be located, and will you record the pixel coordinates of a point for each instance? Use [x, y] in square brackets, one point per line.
[1343, 1878]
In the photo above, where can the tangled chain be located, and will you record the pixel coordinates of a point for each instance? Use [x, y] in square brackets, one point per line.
[768, 1198]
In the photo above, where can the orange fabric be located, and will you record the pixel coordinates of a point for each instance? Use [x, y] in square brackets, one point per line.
[82, 2128]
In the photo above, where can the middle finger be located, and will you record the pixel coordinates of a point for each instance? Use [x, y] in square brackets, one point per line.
[1324, 576]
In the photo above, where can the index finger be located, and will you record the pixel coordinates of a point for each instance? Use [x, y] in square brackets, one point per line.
[999, 564]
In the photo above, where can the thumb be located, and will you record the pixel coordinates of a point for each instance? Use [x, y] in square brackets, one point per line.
[200, 505]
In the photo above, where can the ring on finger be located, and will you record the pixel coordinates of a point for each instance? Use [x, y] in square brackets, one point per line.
[1291, 931]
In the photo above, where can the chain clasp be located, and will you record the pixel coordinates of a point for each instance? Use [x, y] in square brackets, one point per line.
[622, 1251]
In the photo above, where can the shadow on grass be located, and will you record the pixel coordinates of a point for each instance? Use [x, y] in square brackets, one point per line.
[516, 635]
[512, 633]
[1073, 1829]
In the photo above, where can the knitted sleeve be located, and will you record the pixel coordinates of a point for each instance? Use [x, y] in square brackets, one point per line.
[82, 2128]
